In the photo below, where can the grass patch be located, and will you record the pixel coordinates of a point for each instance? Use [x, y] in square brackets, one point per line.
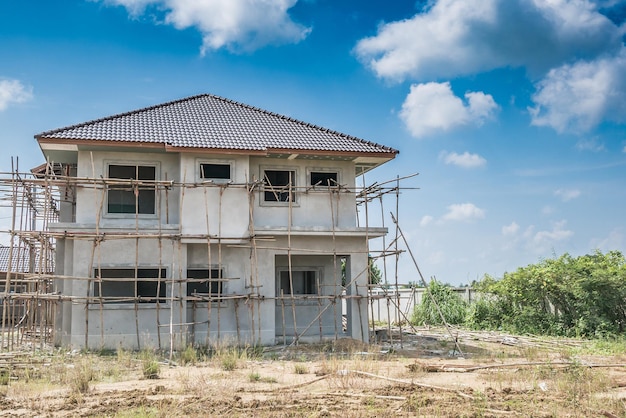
[300, 369]
[82, 375]
[150, 366]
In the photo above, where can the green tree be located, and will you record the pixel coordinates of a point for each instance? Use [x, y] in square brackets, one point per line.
[573, 296]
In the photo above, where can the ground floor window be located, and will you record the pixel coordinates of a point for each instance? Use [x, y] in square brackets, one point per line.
[211, 287]
[125, 285]
[305, 282]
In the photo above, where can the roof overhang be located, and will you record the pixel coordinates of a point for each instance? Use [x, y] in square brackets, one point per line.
[66, 150]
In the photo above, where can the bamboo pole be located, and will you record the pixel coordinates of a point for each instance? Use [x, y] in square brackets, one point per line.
[289, 220]
[208, 245]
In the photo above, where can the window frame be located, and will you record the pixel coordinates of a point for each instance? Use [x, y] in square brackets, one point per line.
[163, 296]
[157, 169]
[329, 170]
[317, 280]
[219, 284]
[215, 161]
[294, 178]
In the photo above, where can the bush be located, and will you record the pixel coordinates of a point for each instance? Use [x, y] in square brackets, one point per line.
[582, 297]
[150, 365]
[451, 306]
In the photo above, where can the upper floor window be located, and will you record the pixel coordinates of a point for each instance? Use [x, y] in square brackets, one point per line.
[132, 198]
[215, 171]
[279, 185]
[324, 178]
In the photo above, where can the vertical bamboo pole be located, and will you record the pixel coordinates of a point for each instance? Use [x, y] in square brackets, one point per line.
[219, 263]
[158, 191]
[100, 301]
[180, 211]
[368, 272]
[282, 304]
[7, 283]
[136, 305]
[290, 220]
[237, 322]
[336, 287]
[96, 242]
[254, 269]
[386, 287]
[397, 257]
[208, 245]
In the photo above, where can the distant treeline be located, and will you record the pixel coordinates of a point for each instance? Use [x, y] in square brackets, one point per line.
[566, 296]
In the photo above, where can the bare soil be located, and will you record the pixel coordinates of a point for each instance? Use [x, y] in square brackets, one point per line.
[424, 375]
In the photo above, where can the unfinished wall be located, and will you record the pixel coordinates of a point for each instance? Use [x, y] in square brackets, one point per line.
[259, 249]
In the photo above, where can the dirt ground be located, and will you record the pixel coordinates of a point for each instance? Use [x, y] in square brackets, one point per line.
[422, 375]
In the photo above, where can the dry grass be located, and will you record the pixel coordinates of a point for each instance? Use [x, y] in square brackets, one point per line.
[317, 381]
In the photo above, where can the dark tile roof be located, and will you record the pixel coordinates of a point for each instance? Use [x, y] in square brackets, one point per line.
[212, 122]
[20, 260]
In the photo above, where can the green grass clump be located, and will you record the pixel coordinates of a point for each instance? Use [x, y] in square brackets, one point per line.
[150, 365]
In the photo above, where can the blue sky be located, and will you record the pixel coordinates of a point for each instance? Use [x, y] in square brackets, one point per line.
[512, 111]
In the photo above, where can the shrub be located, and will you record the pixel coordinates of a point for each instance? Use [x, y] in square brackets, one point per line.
[150, 365]
[443, 300]
[83, 373]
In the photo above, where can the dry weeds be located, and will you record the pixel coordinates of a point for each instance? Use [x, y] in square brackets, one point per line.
[344, 379]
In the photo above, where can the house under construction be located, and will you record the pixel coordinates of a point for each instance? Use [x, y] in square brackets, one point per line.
[197, 221]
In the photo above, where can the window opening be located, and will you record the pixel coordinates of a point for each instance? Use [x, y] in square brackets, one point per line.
[122, 199]
[277, 185]
[124, 285]
[323, 178]
[206, 287]
[215, 171]
[304, 282]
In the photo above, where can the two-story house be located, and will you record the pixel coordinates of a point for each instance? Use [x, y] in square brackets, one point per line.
[204, 220]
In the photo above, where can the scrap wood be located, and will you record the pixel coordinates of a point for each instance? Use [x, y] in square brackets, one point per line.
[283, 388]
[365, 395]
[408, 382]
[466, 369]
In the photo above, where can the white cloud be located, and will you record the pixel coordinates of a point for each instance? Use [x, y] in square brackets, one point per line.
[460, 37]
[615, 240]
[511, 229]
[426, 220]
[463, 212]
[590, 144]
[234, 24]
[567, 194]
[577, 97]
[465, 160]
[557, 233]
[547, 210]
[432, 107]
[13, 91]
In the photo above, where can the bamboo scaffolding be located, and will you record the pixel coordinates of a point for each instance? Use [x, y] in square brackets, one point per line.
[35, 205]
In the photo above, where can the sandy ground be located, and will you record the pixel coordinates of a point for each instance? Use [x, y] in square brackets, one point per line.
[424, 376]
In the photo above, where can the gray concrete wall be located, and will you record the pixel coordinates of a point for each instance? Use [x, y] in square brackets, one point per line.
[88, 200]
[257, 320]
[311, 208]
[383, 309]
